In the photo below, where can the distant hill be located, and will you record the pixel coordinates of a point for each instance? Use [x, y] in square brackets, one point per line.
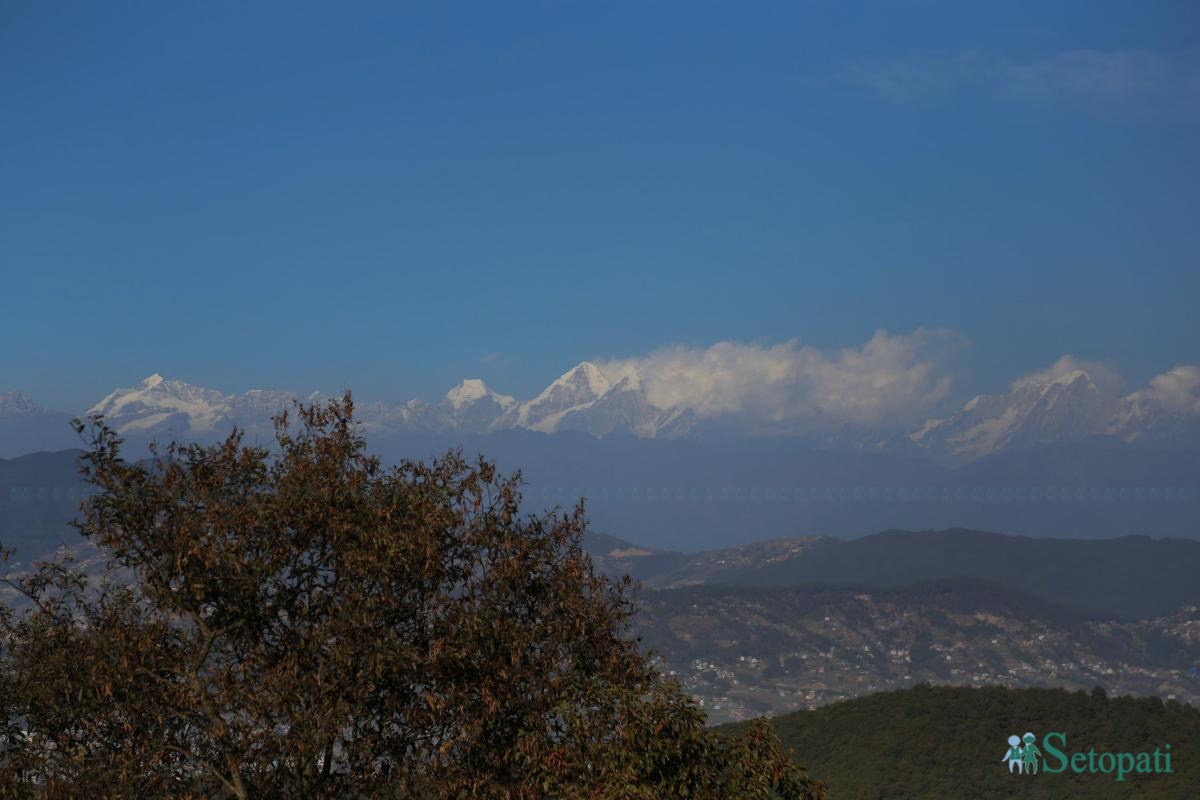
[942, 743]
[1133, 576]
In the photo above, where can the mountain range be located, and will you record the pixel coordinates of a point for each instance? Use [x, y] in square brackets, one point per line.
[582, 399]
[1070, 402]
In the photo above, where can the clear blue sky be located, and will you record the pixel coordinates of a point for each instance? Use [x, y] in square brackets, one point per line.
[398, 196]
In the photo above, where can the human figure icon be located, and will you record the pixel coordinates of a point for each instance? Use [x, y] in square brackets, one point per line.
[1030, 754]
[1015, 755]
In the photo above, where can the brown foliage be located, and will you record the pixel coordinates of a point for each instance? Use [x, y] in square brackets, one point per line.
[301, 622]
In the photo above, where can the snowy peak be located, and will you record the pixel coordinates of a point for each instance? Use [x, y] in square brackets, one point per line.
[473, 390]
[157, 405]
[466, 393]
[585, 374]
[619, 409]
[585, 399]
[581, 384]
[574, 390]
[1045, 381]
[1072, 377]
[470, 407]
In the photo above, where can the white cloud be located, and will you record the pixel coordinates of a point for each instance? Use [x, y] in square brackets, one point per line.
[917, 77]
[1087, 74]
[891, 380]
[1100, 78]
[1176, 390]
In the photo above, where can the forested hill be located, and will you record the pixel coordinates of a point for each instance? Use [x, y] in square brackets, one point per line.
[935, 743]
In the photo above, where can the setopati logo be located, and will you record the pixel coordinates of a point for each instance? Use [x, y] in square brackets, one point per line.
[1024, 757]
[1023, 754]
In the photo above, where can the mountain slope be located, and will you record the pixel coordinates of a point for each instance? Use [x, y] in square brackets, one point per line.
[574, 390]
[1069, 406]
[157, 405]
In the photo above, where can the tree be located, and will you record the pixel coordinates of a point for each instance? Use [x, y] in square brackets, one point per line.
[301, 622]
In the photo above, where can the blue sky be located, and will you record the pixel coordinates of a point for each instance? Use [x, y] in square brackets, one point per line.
[395, 197]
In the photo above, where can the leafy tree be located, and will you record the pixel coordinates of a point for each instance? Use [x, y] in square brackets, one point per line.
[301, 622]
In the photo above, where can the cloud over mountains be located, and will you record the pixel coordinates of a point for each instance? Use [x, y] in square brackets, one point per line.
[792, 388]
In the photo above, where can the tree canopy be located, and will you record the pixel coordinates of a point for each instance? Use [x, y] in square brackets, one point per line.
[300, 621]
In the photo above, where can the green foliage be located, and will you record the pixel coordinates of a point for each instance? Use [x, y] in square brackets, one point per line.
[304, 623]
[933, 743]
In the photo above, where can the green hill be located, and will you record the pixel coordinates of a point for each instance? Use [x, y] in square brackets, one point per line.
[938, 743]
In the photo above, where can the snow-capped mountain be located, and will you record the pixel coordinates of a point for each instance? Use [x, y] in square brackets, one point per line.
[1069, 406]
[582, 399]
[585, 399]
[1063, 405]
[574, 390]
[622, 407]
[158, 407]
[471, 407]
